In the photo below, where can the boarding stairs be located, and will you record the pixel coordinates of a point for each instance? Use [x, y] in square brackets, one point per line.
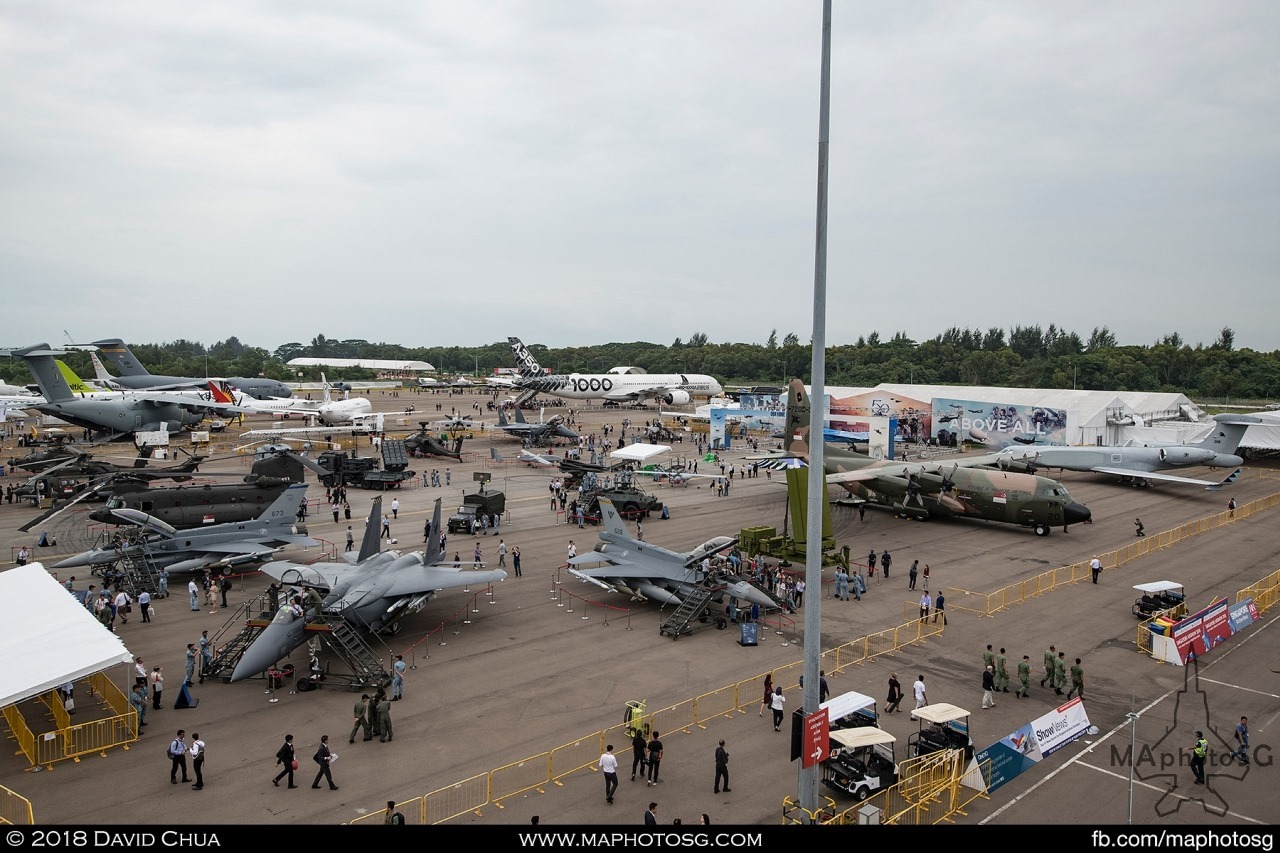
[691, 614]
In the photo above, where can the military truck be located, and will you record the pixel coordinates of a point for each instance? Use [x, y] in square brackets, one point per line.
[631, 500]
[478, 503]
[363, 471]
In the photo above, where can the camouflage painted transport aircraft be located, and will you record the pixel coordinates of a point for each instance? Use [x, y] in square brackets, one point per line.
[970, 488]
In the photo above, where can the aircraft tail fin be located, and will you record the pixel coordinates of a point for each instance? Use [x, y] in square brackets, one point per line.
[115, 351]
[520, 416]
[502, 417]
[40, 361]
[795, 439]
[434, 553]
[610, 521]
[283, 511]
[325, 384]
[372, 542]
[495, 455]
[220, 394]
[525, 362]
[1227, 434]
[74, 382]
[100, 371]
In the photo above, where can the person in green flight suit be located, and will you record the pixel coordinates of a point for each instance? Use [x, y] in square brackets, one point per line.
[1059, 673]
[384, 719]
[1077, 680]
[1024, 677]
[989, 658]
[361, 714]
[374, 727]
[1002, 673]
[1050, 655]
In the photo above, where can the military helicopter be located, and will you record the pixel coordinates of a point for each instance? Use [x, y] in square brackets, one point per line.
[422, 443]
[186, 507]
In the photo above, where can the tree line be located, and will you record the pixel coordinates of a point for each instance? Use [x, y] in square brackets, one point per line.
[1022, 356]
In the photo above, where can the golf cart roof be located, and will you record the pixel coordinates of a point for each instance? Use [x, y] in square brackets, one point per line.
[846, 704]
[863, 736]
[1157, 586]
[940, 713]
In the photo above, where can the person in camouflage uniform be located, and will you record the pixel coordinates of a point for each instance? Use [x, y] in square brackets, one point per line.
[1024, 677]
[1050, 655]
[1059, 673]
[1002, 673]
[1077, 680]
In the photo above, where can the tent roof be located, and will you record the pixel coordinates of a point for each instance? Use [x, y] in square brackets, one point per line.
[846, 704]
[366, 363]
[50, 639]
[1157, 586]
[639, 451]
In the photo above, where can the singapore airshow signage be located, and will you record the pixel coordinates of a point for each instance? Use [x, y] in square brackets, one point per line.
[997, 425]
[1200, 632]
[1023, 749]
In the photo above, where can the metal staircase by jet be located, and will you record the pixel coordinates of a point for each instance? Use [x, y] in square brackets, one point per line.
[692, 612]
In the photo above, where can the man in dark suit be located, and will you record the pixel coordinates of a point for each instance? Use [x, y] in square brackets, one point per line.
[323, 757]
[285, 756]
[651, 816]
[722, 768]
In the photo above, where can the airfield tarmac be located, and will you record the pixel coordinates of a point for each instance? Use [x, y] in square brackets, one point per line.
[525, 675]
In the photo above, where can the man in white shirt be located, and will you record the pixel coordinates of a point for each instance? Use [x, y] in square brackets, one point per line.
[122, 601]
[193, 593]
[197, 760]
[921, 698]
[144, 604]
[608, 765]
[395, 507]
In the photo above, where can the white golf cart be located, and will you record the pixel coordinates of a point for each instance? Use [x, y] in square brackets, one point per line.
[942, 726]
[861, 762]
[850, 711]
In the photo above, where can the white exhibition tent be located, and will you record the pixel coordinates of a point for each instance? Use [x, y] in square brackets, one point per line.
[48, 637]
[1108, 417]
[1264, 436]
[639, 452]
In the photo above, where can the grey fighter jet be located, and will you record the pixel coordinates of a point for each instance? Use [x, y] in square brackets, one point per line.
[534, 434]
[647, 571]
[216, 545]
[372, 592]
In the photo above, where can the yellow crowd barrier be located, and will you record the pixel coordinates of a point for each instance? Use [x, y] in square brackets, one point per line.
[71, 741]
[988, 604]
[1265, 593]
[15, 809]
[910, 806]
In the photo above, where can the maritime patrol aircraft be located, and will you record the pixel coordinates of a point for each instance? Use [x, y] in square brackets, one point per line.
[1138, 464]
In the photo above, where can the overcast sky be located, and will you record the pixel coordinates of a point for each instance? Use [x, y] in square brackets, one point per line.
[583, 171]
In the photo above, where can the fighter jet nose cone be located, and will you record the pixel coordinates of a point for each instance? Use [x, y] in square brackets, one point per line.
[1077, 513]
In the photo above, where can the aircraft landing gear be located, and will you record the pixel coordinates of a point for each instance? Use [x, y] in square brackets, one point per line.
[1042, 530]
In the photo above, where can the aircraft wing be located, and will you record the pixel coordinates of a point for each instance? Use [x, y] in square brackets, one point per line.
[1210, 485]
[191, 402]
[343, 429]
[890, 468]
[413, 580]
